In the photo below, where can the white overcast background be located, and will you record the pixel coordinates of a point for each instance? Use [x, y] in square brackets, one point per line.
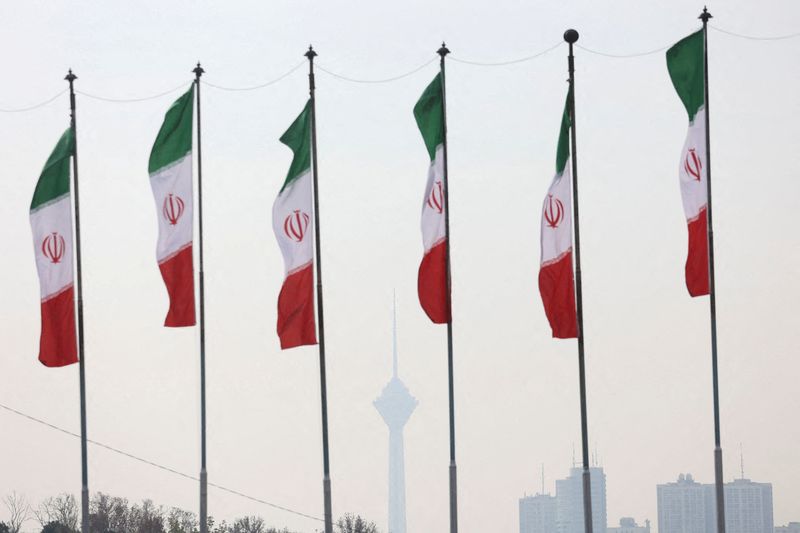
[516, 389]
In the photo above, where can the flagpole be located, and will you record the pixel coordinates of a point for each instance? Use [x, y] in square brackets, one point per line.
[718, 481]
[326, 479]
[70, 77]
[443, 51]
[198, 71]
[571, 36]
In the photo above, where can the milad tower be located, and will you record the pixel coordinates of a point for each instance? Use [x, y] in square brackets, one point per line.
[395, 404]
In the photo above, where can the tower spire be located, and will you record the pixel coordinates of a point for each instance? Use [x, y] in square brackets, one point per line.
[394, 334]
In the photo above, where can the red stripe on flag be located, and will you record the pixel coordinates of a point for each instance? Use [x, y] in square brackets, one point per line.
[178, 274]
[296, 326]
[57, 344]
[697, 258]
[557, 287]
[432, 284]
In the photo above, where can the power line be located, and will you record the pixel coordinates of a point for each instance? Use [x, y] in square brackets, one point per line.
[156, 465]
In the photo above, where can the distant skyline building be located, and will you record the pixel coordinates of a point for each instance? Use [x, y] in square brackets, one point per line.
[629, 525]
[395, 405]
[791, 527]
[683, 507]
[537, 514]
[748, 507]
[686, 506]
[569, 496]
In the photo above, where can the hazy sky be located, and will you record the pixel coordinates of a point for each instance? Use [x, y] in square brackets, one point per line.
[647, 341]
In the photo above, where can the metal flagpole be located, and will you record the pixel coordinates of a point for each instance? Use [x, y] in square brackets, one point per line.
[326, 479]
[443, 51]
[571, 36]
[198, 71]
[81, 356]
[718, 482]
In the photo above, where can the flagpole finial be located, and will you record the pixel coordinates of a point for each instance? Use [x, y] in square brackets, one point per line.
[571, 36]
[705, 15]
[311, 54]
[70, 77]
[443, 51]
[198, 71]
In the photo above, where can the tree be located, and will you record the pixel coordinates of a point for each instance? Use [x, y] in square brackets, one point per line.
[350, 523]
[56, 527]
[19, 511]
[108, 514]
[4, 528]
[249, 524]
[180, 521]
[147, 518]
[62, 510]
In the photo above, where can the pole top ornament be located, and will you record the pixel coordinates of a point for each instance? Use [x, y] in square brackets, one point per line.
[571, 36]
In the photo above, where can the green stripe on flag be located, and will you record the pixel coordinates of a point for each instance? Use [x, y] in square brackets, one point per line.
[54, 179]
[429, 112]
[174, 139]
[298, 138]
[562, 152]
[685, 65]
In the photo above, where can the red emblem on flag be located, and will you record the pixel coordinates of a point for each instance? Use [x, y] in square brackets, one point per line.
[436, 197]
[53, 247]
[295, 225]
[173, 208]
[553, 211]
[692, 165]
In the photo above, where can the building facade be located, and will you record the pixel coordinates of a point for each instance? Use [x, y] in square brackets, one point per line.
[537, 514]
[569, 504]
[686, 506]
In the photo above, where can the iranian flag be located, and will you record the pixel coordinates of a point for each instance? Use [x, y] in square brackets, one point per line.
[685, 65]
[556, 277]
[432, 279]
[293, 223]
[170, 171]
[51, 224]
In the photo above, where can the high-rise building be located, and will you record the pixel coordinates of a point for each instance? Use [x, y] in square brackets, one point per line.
[629, 525]
[748, 507]
[690, 507]
[569, 496]
[537, 514]
[395, 404]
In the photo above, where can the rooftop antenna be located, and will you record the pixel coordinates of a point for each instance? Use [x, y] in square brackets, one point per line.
[741, 459]
[543, 478]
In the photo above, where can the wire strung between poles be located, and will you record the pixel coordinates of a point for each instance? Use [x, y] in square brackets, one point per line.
[384, 80]
[34, 106]
[755, 38]
[260, 86]
[131, 100]
[155, 465]
[509, 62]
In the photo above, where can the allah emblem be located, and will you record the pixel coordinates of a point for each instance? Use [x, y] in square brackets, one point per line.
[53, 247]
[173, 208]
[296, 225]
[553, 211]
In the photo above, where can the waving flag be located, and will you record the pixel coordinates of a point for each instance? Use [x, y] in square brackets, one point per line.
[171, 179]
[293, 224]
[556, 278]
[685, 65]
